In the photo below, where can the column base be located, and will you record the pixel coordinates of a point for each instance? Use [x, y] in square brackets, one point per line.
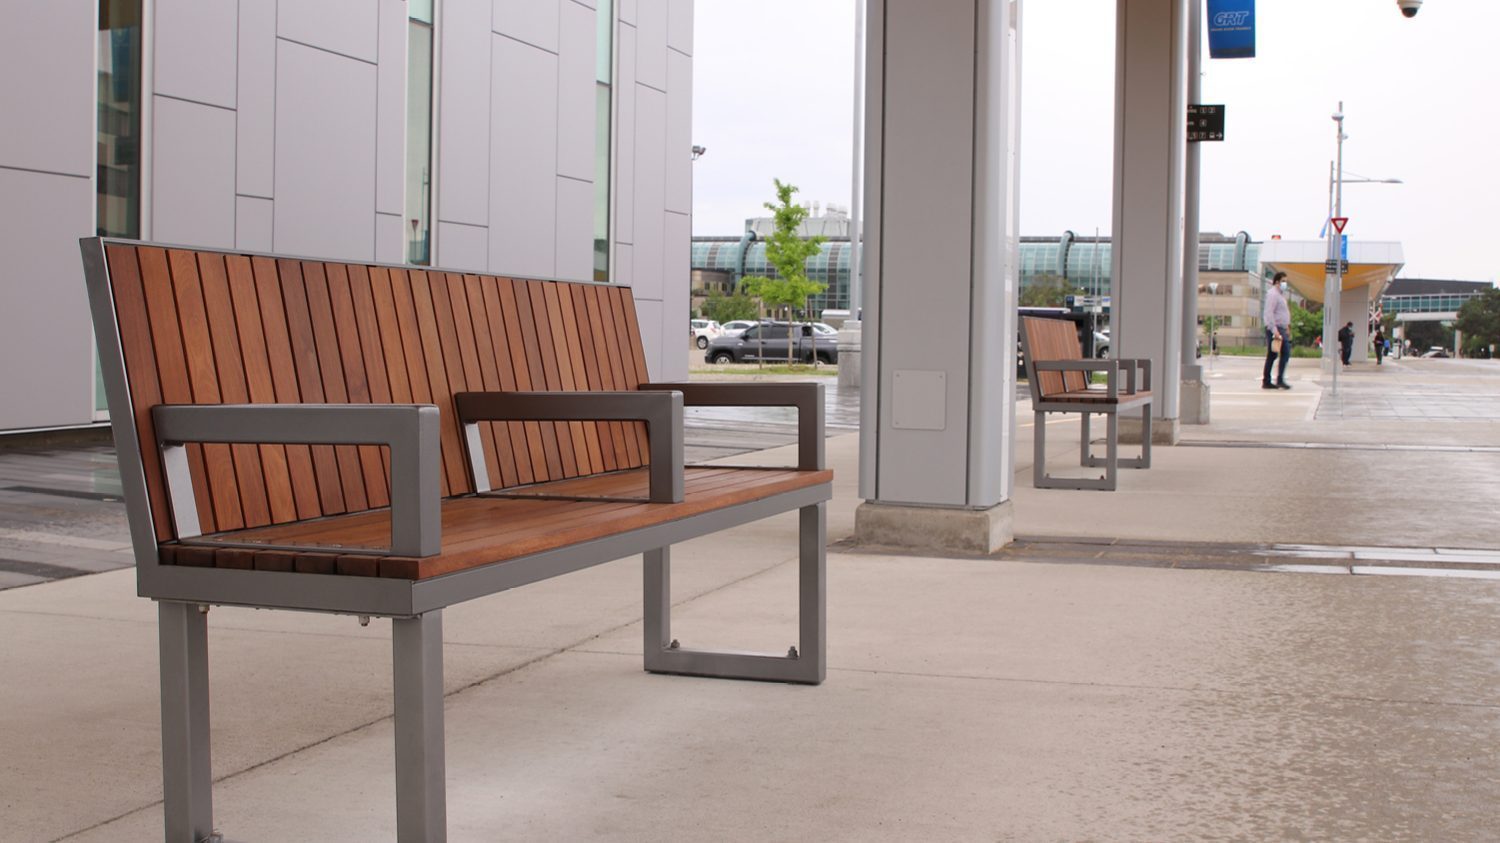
[1192, 407]
[938, 529]
[849, 354]
[1163, 431]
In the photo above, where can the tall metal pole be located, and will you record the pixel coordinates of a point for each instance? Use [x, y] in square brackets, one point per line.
[857, 179]
[1333, 287]
[1191, 371]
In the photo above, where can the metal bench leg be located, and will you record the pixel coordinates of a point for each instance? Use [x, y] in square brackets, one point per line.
[1088, 459]
[1144, 460]
[805, 663]
[421, 789]
[187, 776]
[1112, 450]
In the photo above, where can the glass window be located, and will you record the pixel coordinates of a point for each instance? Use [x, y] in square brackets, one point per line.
[419, 132]
[118, 183]
[604, 62]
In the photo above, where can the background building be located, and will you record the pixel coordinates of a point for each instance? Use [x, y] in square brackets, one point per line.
[543, 138]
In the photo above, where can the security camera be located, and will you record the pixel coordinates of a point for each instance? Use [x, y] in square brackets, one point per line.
[1409, 8]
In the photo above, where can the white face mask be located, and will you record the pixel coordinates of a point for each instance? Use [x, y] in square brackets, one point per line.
[1281, 286]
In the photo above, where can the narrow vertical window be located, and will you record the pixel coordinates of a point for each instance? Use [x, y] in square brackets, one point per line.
[419, 132]
[604, 63]
[118, 182]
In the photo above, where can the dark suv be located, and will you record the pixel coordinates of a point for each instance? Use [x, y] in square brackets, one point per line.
[768, 341]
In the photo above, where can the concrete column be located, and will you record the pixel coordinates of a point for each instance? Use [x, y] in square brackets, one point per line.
[1354, 306]
[1150, 155]
[942, 133]
[1193, 405]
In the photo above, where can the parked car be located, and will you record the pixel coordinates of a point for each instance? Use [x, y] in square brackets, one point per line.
[736, 327]
[1101, 345]
[825, 329]
[706, 330]
[1436, 351]
[769, 341]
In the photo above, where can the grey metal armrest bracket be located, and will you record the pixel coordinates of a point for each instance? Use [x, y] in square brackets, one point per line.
[409, 430]
[662, 413]
[1142, 363]
[806, 397]
[1111, 369]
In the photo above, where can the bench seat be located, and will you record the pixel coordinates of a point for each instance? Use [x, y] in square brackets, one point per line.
[491, 527]
[1093, 395]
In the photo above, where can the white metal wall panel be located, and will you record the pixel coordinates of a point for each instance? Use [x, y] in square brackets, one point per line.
[650, 190]
[680, 26]
[464, 113]
[651, 29]
[575, 229]
[462, 246]
[195, 47]
[192, 174]
[679, 137]
[252, 223]
[624, 137]
[390, 109]
[346, 27]
[47, 99]
[575, 93]
[676, 272]
[325, 154]
[622, 271]
[627, 11]
[534, 22]
[523, 162]
[255, 159]
[45, 317]
[390, 238]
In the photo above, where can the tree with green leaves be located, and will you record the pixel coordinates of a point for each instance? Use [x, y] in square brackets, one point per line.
[1307, 324]
[1479, 320]
[1048, 291]
[788, 253]
[722, 308]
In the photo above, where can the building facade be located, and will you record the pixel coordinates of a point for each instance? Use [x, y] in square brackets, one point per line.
[537, 138]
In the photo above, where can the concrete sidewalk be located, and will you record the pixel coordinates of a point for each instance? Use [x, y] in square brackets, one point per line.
[1002, 698]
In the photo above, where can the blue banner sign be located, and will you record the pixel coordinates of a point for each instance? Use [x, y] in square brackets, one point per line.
[1231, 29]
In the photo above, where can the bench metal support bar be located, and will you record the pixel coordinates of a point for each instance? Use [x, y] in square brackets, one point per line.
[809, 663]
[806, 398]
[187, 775]
[421, 785]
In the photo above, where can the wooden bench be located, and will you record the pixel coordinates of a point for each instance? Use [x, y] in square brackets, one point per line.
[387, 441]
[1061, 382]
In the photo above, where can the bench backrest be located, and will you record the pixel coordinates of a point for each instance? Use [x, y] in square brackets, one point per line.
[1051, 339]
[205, 327]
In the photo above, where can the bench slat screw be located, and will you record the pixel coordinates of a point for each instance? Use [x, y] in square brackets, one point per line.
[791, 652]
[674, 645]
[364, 620]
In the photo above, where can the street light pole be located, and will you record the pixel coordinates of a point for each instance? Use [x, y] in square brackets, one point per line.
[1333, 284]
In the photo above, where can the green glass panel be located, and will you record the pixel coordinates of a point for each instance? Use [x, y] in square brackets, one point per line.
[418, 220]
[118, 182]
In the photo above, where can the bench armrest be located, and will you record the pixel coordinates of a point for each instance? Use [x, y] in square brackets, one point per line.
[1142, 363]
[1110, 368]
[662, 413]
[806, 397]
[410, 430]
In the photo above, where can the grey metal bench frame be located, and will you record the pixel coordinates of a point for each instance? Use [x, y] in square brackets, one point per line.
[185, 593]
[1115, 403]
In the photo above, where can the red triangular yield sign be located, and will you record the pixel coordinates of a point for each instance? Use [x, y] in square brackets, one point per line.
[1339, 223]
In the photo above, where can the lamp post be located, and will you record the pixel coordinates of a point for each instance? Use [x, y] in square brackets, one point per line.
[1333, 284]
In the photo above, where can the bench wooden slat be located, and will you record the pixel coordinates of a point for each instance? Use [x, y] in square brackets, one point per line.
[588, 364]
[332, 375]
[451, 363]
[412, 349]
[551, 374]
[613, 433]
[510, 437]
[532, 461]
[357, 378]
[259, 387]
[423, 287]
[171, 366]
[140, 368]
[573, 349]
[559, 352]
[224, 332]
[468, 310]
[634, 359]
[309, 379]
[368, 347]
[615, 372]
[283, 371]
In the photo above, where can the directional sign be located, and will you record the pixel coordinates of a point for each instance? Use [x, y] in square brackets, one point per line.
[1205, 123]
[1344, 247]
[1339, 223]
[1336, 267]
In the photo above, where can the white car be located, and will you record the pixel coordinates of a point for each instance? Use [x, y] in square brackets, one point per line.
[825, 328]
[705, 330]
[736, 327]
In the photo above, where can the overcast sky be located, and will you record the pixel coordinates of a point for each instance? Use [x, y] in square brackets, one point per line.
[773, 89]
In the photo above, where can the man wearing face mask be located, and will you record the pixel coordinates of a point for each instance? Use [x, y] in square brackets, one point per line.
[1277, 317]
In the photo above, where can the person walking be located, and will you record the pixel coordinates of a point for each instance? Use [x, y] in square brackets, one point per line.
[1346, 342]
[1379, 346]
[1276, 316]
